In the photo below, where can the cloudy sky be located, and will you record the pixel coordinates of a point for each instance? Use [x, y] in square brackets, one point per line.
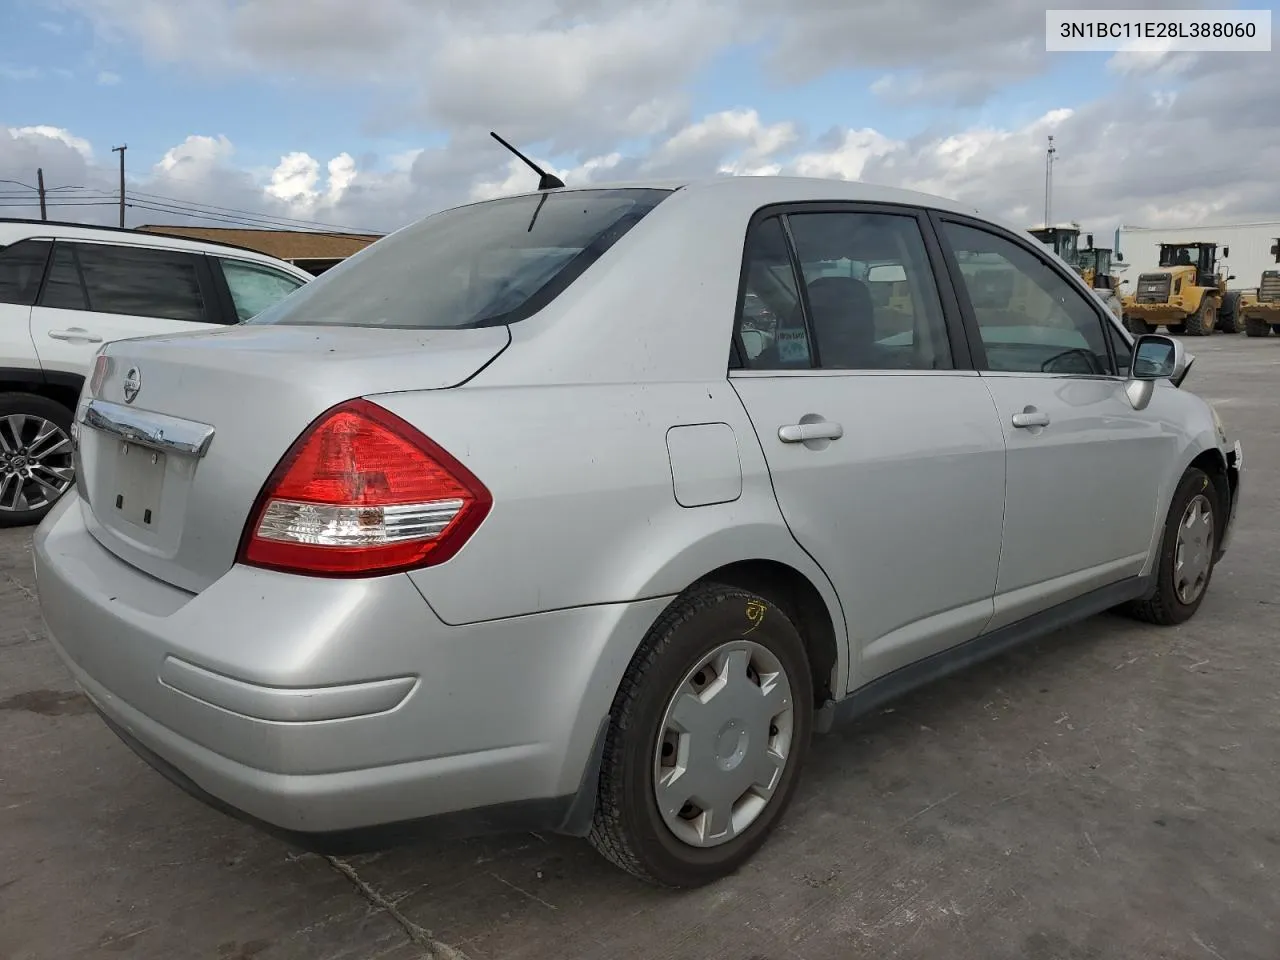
[371, 113]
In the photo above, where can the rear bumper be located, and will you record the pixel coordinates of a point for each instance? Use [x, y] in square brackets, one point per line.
[338, 711]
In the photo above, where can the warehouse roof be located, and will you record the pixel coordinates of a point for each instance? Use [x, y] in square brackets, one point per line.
[284, 244]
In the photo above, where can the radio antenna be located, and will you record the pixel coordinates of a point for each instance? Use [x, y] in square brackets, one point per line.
[546, 181]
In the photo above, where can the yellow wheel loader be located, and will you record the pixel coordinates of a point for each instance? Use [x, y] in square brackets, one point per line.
[1260, 309]
[1187, 293]
[1092, 263]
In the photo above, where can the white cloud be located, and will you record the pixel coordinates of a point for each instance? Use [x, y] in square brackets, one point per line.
[295, 178]
[848, 159]
[107, 78]
[64, 137]
[194, 157]
[564, 69]
[20, 74]
[342, 173]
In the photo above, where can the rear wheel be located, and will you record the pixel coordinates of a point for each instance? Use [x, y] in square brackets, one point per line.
[36, 468]
[1276, 328]
[1137, 326]
[1201, 323]
[1229, 316]
[1253, 327]
[1177, 328]
[709, 730]
[1185, 565]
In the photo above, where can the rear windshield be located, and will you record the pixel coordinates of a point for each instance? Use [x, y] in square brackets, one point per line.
[484, 264]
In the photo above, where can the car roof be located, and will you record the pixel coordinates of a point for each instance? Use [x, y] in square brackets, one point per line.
[781, 189]
[13, 229]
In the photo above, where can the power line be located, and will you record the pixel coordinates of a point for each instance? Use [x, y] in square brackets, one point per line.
[244, 220]
[20, 205]
[106, 200]
[216, 207]
[142, 197]
[230, 221]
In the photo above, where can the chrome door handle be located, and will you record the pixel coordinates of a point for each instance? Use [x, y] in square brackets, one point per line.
[75, 335]
[1031, 418]
[800, 432]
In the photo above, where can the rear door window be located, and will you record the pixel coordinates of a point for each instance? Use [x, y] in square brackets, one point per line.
[484, 264]
[64, 290]
[21, 269]
[869, 299]
[254, 288]
[134, 281]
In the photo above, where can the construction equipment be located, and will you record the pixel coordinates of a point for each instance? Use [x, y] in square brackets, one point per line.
[1260, 308]
[1062, 239]
[1187, 293]
[1092, 263]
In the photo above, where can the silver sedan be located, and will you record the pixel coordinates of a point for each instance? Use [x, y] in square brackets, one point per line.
[584, 510]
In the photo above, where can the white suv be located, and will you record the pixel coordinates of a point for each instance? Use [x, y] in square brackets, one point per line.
[65, 289]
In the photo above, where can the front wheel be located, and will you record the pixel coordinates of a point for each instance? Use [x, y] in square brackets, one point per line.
[708, 734]
[1185, 565]
[1202, 322]
[1137, 326]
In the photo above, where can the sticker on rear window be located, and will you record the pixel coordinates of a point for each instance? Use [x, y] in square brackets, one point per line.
[793, 346]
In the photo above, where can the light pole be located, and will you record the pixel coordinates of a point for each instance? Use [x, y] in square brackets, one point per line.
[1048, 183]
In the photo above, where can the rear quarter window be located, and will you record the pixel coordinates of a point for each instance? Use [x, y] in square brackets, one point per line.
[21, 268]
[485, 264]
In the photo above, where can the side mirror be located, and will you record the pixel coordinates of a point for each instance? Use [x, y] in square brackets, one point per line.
[886, 273]
[1155, 357]
[1088, 237]
[1231, 276]
[1226, 252]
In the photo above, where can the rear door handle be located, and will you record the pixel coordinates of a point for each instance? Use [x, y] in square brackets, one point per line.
[75, 335]
[1031, 417]
[800, 432]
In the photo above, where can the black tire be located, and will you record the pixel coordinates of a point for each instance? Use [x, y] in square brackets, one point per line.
[1202, 322]
[1177, 329]
[1254, 327]
[31, 405]
[1276, 328]
[1137, 326]
[1228, 315]
[628, 828]
[1163, 607]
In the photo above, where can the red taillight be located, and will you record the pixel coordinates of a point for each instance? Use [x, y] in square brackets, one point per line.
[100, 365]
[363, 493]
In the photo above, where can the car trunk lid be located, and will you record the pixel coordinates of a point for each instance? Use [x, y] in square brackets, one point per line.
[177, 435]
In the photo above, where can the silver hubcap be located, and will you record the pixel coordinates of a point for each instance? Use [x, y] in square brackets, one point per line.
[724, 743]
[1194, 551]
[35, 462]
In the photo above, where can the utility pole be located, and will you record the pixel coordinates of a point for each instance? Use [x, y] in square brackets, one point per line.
[121, 151]
[1048, 183]
[40, 187]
